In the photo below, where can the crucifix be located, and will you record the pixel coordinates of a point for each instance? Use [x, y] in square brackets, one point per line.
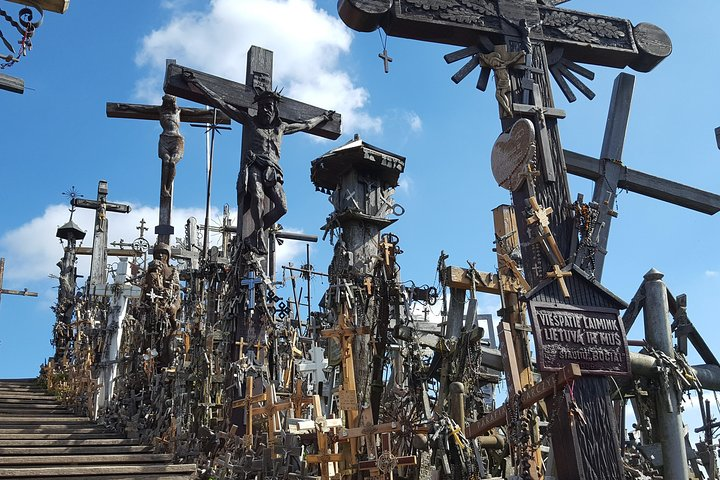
[171, 145]
[6, 291]
[261, 198]
[569, 37]
[98, 264]
[610, 174]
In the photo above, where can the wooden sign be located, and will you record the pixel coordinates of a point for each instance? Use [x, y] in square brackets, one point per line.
[592, 337]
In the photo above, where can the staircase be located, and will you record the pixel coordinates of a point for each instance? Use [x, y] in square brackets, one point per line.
[40, 439]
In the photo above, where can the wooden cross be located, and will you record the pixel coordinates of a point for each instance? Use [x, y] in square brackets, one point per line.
[560, 275]
[540, 217]
[348, 394]
[257, 76]
[328, 461]
[271, 409]
[6, 291]
[98, 264]
[247, 403]
[610, 174]
[299, 399]
[539, 114]
[385, 461]
[386, 60]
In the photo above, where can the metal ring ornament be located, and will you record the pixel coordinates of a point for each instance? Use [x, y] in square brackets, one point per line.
[140, 245]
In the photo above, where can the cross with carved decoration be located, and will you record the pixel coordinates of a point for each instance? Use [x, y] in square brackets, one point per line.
[385, 461]
[299, 399]
[541, 217]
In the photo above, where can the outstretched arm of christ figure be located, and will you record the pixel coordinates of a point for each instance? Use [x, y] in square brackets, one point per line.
[230, 110]
[308, 124]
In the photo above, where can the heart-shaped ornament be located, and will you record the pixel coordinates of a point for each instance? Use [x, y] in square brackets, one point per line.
[512, 154]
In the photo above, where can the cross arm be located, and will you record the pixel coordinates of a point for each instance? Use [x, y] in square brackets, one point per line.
[94, 204]
[242, 97]
[152, 112]
[646, 184]
[584, 37]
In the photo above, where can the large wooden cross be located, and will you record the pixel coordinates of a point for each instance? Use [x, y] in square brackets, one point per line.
[98, 264]
[609, 174]
[546, 34]
[157, 112]
[258, 75]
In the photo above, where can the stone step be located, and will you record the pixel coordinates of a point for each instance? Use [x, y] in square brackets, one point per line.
[61, 443]
[32, 406]
[44, 401]
[27, 396]
[53, 428]
[58, 436]
[84, 472]
[41, 420]
[82, 450]
[50, 429]
[132, 458]
[29, 411]
[160, 476]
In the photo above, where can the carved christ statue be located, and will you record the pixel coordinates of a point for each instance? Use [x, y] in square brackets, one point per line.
[171, 145]
[261, 175]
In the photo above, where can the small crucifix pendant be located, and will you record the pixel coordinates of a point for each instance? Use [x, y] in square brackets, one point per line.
[386, 60]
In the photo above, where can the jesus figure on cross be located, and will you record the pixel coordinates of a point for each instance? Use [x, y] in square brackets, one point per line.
[261, 174]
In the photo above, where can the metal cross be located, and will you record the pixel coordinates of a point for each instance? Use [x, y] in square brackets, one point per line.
[251, 282]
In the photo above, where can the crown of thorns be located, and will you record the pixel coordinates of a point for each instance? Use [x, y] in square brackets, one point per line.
[267, 95]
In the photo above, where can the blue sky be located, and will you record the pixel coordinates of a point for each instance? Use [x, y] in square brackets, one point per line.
[56, 135]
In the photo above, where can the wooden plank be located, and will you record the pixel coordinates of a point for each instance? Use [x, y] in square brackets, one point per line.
[152, 112]
[59, 436]
[242, 97]
[12, 84]
[84, 471]
[56, 6]
[618, 117]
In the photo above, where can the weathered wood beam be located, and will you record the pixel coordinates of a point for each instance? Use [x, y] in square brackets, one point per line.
[11, 84]
[646, 184]
[57, 6]
[112, 252]
[146, 112]
[457, 277]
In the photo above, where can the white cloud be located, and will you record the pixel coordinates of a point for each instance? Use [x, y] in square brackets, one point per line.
[711, 273]
[32, 250]
[405, 184]
[307, 43]
[414, 121]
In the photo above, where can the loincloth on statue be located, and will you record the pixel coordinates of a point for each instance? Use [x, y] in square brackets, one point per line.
[267, 170]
